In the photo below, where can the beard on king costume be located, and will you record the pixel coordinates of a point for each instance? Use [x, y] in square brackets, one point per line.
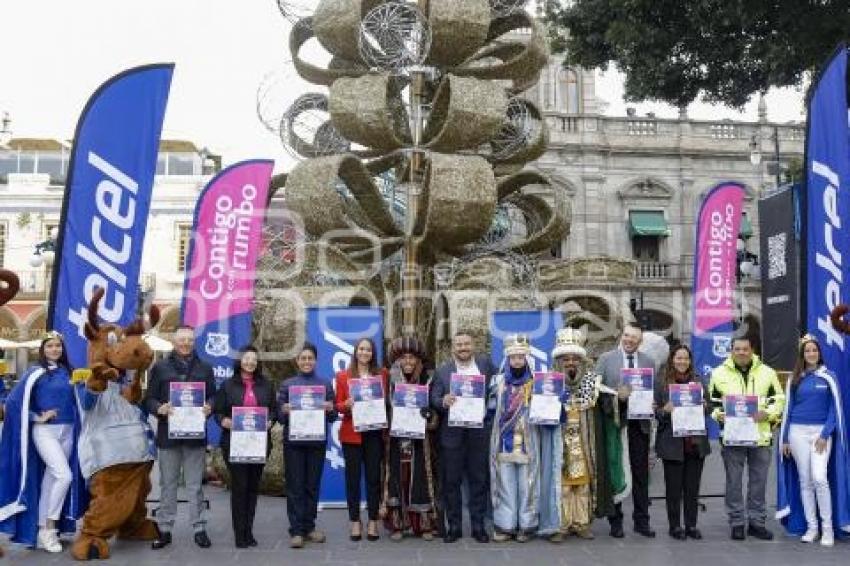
[117, 448]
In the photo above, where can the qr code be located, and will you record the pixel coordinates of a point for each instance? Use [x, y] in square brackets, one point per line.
[777, 266]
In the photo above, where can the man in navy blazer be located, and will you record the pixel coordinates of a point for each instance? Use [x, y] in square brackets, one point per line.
[463, 450]
[609, 365]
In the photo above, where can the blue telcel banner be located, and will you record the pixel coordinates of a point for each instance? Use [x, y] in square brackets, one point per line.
[106, 203]
[539, 326]
[827, 234]
[334, 330]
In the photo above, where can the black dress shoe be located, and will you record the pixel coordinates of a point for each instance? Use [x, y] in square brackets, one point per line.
[738, 533]
[645, 531]
[693, 533]
[759, 532]
[202, 540]
[252, 541]
[480, 535]
[163, 540]
[617, 531]
[678, 533]
[451, 536]
[242, 544]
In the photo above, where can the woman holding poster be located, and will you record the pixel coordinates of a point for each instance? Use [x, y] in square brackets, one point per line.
[813, 472]
[410, 481]
[683, 454]
[245, 404]
[363, 451]
[42, 491]
[306, 404]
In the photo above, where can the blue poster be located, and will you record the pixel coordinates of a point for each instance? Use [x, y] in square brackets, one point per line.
[334, 330]
[106, 203]
[539, 326]
[827, 234]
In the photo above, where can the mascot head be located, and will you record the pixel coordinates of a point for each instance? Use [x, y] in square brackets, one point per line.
[114, 347]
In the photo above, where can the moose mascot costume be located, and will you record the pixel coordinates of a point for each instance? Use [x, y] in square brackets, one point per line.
[116, 446]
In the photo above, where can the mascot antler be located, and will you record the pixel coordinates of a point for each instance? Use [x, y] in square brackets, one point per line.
[12, 282]
[113, 348]
[836, 318]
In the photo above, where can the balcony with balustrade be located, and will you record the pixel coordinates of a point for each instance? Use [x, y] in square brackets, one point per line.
[631, 133]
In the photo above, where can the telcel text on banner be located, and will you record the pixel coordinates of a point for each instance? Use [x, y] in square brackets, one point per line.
[334, 331]
[106, 203]
[827, 232]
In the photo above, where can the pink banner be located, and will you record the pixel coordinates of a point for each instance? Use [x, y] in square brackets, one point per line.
[715, 260]
[227, 233]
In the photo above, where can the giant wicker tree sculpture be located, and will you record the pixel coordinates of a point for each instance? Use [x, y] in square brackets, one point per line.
[430, 93]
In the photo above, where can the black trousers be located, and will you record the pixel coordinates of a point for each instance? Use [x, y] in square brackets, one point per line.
[244, 489]
[471, 460]
[368, 457]
[303, 464]
[681, 483]
[639, 463]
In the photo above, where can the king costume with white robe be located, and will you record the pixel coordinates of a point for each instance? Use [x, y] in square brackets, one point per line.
[789, 503]
[514, 454]
[21, 469]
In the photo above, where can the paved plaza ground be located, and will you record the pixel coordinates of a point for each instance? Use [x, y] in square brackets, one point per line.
[714, 550]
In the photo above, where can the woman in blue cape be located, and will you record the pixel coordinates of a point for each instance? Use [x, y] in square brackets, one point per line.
[812, 460]
[42, 492]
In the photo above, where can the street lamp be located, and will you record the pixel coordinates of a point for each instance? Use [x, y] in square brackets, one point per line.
[755, 152]
[746, 267]
[45, 251]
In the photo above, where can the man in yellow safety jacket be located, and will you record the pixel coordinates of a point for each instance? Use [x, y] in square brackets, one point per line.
[743, 373]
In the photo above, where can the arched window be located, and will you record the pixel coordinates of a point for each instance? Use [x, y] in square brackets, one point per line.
[568, 91]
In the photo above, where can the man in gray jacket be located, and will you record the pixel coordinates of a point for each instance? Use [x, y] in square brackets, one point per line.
[609, 366]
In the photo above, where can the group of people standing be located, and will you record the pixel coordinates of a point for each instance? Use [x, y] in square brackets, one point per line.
[524, 477]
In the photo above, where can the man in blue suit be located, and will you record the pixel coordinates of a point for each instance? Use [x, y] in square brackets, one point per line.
[463, 450]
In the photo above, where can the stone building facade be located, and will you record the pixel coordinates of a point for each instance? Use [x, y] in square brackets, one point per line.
[635, 184]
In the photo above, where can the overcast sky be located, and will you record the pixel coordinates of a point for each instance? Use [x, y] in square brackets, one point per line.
[57, 52]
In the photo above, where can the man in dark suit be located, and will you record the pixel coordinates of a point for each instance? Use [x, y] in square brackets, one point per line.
[463, 450]
[609, 365]
[188, 455]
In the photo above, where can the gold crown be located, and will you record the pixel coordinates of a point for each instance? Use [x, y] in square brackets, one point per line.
[569, 341]
[807, 338]
[517, 344]
[51, 334]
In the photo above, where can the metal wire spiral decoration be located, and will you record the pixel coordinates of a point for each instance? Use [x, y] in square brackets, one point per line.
[306, 129]
[294, 10]
[394, 36]
[517, 130]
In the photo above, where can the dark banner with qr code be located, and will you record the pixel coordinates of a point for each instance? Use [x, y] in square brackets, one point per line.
[780, 279]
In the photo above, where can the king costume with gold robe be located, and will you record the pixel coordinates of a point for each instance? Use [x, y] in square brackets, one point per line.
[584, 470]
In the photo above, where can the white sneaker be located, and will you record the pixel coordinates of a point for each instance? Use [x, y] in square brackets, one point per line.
[48, 539]
[827, 538]
[811, 535]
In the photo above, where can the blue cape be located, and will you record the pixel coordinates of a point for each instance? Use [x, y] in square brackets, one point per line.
[789, 504]
[21, 470]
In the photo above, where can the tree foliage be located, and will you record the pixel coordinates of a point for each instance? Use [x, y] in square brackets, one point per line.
[721, 50]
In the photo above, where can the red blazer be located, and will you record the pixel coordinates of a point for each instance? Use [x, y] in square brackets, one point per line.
[347, 434]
